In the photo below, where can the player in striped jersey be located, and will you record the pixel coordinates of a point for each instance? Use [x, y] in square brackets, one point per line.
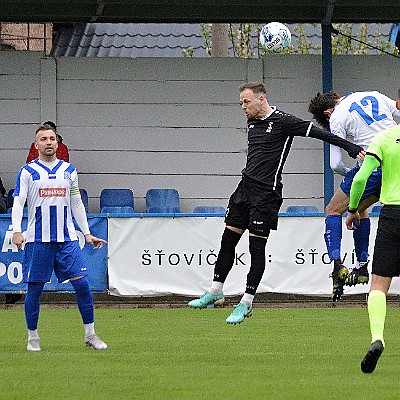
[50, 187]
[359, 117]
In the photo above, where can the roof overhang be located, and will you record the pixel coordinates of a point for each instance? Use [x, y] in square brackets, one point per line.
[196, 11]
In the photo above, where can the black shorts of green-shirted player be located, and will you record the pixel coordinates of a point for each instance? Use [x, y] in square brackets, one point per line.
[255, 203]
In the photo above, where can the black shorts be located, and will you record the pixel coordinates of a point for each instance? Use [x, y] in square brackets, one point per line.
[386, 260]
[253, 208]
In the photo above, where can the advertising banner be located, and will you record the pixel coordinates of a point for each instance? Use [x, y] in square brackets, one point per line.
[160, 256]
[11, 259]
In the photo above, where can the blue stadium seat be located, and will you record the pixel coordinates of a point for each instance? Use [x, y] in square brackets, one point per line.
[302, 209]
[209, 209]
[162, 201]
[116, 198]
[85, 199]
[117, 210]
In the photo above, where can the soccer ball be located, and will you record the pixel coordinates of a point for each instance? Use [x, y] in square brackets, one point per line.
[275, 37]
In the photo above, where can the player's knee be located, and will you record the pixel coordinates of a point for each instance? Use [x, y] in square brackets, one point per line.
[335, 209]
[257, 245]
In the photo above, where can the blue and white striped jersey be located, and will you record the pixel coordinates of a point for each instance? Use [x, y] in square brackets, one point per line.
[360, 116]
[48, 194]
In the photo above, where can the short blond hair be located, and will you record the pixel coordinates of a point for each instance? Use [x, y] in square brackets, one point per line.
[255, 87]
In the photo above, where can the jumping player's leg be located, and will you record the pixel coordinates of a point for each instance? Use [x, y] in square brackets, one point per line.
[371, 194]
[257, 267]
[333, 236]
[361, 234]
[338, 206]
[236, 221]
[361, 238]
[263, 216]
[226, 255]
[223, 265]
[333, 240]
[360, 274]
[333, 224]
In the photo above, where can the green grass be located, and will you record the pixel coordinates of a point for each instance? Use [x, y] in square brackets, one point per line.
[192, 354]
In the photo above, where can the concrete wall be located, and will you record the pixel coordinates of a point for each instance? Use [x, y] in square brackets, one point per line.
[168, 123]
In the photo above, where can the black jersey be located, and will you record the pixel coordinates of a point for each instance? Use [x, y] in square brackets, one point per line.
[269, 142]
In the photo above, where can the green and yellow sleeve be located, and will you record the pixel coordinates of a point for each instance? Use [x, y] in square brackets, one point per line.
[360, 180]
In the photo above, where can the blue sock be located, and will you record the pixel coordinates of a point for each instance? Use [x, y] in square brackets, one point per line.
[333, 235]
[361, 239]
[84, 299]
[32, 305]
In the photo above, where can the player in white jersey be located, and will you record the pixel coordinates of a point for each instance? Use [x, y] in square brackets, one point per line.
[50, 186]
[359, 117]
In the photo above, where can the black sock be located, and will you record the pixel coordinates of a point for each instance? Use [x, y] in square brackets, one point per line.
[257, 266]
[226, 255]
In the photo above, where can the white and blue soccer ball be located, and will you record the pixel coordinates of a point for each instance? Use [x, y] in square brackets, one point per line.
[275, 37]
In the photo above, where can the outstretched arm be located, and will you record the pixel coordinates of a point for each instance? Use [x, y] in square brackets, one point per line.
[297, 127]
[336, 161]
[352, 149]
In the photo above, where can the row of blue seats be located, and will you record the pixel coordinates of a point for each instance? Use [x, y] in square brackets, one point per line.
[167, 201]
[122, 201]
[312, 210]
[157, 201]
[163, 201]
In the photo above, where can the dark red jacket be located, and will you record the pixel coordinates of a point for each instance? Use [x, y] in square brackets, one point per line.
[62, 152]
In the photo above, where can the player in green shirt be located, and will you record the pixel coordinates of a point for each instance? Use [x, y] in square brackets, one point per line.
[384, 150]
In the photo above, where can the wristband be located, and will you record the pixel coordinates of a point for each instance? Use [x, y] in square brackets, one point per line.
[352, 210]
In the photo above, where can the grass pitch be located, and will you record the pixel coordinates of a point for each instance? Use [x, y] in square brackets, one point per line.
[192, 354]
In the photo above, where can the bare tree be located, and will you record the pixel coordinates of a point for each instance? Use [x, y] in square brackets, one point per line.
[219, 46]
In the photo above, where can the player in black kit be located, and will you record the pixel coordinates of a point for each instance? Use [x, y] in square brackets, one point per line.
[255, 203]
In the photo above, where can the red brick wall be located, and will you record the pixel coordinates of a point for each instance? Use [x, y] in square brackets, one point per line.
[26, 36]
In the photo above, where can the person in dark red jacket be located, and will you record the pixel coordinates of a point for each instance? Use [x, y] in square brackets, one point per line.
[62, 150]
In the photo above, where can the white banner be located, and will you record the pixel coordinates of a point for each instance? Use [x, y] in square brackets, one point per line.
[160, 256]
